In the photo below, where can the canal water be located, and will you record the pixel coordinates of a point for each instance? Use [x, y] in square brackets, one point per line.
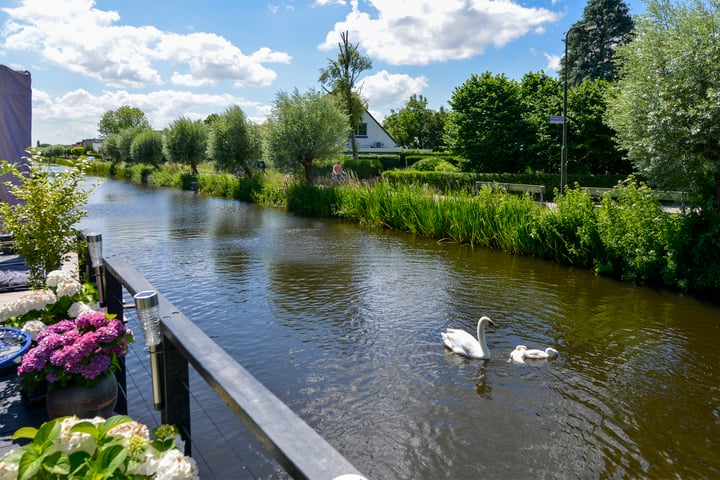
[343, 324]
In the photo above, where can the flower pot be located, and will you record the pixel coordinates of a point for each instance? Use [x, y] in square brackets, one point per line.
[84, 401]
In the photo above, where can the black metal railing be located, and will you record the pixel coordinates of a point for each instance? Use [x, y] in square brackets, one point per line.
[299, 449]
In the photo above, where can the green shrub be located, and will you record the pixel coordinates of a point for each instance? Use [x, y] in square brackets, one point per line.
[638, 238]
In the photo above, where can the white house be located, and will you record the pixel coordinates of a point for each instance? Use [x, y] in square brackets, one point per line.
[371, 137]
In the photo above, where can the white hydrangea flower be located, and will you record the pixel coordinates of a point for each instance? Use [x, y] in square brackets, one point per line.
[68, 287]
[81, 307]
[8, 470]
[73, 442]
[173, 465]
[55, 277]
[33, 327]
[7, 311]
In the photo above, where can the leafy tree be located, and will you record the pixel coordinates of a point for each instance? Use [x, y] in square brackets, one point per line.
[147, 147]
[303, 129]
[486, 126]
[186, 142]
[436, 129]
[234, 141]
[590, 54]
[415, 125]
[341, 75]
[593, 148]
[540, 96]
[115, 121]
[111, 147]
[665, 108]
[54, 151]
[125, 140]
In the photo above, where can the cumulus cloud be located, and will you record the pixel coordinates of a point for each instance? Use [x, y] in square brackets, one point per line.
[388, 90]
[124, 56]
[75, 114]
[421, 32]
[553, 62]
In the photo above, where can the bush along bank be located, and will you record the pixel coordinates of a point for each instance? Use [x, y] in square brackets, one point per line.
[627, 235]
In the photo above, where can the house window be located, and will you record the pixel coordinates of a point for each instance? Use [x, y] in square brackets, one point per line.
[361, 130]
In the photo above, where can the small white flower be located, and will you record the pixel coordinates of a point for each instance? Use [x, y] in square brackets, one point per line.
[68, 288]
[80, 307]
[8, 470]
[55, 277]
[33, 327]
[173, 465]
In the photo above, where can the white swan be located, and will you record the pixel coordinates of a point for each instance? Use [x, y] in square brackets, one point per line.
[522, 353]
[462, 343]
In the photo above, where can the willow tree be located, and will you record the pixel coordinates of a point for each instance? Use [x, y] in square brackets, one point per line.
[666, 107]
[303, 129]
[341, 77]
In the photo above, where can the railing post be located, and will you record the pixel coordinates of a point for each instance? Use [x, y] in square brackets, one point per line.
[176, 391]
[114, 302]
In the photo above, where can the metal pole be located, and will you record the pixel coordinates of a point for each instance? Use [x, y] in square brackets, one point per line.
[563, 152]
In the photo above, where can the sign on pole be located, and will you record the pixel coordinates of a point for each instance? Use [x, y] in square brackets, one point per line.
[557, 119]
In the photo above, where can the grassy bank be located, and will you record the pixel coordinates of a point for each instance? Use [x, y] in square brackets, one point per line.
[627, 236]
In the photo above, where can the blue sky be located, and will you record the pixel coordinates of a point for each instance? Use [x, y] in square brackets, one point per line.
[196, 57]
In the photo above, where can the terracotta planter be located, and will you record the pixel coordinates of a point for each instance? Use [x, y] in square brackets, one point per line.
[86, 402]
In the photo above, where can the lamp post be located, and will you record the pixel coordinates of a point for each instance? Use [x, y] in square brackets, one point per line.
[563, 153]
[94, 242]
[146, 304]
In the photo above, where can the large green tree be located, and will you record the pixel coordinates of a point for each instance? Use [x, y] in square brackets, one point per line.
[303, 129]
[590, 54]
[341, 77]
[115, 121]
[416, 126]
[147, 147]
[540, 96]
[186, 142]
[234, 142]
[666, 107]
[486, 127]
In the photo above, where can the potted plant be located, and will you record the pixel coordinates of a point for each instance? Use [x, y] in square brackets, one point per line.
[76, 359]
[42, 223]
[62, 297]
[118, 448]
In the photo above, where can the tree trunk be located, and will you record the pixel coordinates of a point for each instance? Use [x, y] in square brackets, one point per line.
[717, 190]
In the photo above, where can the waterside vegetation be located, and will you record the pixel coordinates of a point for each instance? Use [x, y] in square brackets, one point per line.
[626, 234]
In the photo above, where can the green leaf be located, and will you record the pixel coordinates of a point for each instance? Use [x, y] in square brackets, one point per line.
[25, 432]
[29, 465]
[57, 463]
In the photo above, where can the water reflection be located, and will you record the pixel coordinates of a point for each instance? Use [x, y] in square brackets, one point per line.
[343, 325]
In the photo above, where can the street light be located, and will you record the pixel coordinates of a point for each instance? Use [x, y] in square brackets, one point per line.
[563, 153]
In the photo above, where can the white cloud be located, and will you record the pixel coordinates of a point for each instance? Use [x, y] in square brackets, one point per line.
[75, 115]
[125, 56]
[420, 32]
[384, 90]
[553, 62]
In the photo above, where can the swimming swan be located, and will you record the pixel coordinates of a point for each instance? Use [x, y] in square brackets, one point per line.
[462, 343]
[522, 353]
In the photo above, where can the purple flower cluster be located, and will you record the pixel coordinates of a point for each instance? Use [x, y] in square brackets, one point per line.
[76, 352]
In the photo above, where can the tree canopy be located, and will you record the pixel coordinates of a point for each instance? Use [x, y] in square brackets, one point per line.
[666, 107]
[115, 121]
[417, 126]
[590, 54]
[303, 129]
[234, 142]
[341, 76]
[186, 142]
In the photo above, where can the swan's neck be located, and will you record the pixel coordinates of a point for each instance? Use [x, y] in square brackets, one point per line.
[481, 337]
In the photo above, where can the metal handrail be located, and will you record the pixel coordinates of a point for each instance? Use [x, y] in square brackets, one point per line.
[299, 449]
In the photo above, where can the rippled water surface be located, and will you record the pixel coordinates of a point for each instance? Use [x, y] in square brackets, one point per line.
[343, 324]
